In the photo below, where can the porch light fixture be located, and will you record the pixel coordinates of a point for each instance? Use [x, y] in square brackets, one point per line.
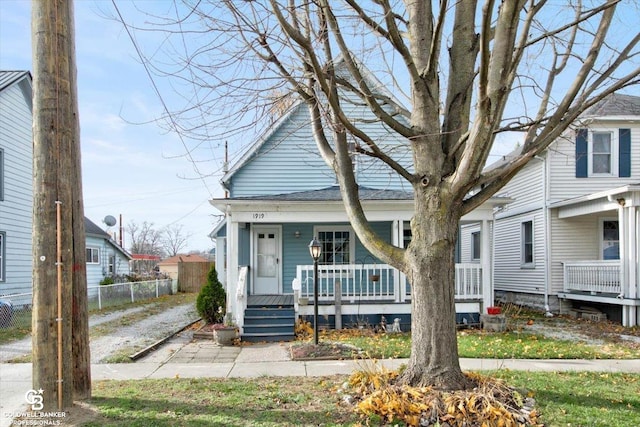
[315, 249]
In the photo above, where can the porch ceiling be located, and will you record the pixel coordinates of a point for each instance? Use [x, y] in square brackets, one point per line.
[603, 201]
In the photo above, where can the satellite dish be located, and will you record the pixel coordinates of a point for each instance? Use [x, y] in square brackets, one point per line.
[109, 220]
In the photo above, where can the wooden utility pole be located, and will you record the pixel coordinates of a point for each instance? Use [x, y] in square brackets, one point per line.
[61, 362]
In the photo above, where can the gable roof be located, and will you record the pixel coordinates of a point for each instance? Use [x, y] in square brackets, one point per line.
[615, 104]
[91, 229]
[183, 258]
[378, 88]
[7, 78]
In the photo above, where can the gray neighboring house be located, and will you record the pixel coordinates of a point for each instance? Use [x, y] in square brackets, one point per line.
[16, 186]
[104, 256]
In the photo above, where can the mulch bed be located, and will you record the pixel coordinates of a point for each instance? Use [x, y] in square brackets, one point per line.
[324, 351]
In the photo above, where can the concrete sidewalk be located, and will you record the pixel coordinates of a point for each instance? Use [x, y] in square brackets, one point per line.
[200, 359]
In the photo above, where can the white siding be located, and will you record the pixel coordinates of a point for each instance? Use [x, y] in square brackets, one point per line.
[509, 274]
[562, 157]
[573, 239]
[526, 188]
[16, 207]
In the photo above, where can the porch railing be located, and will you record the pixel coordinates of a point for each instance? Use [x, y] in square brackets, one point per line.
[373, 282]
[592, 276]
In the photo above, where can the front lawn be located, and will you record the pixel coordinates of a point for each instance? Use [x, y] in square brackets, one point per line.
[475, 343]
[562, 399]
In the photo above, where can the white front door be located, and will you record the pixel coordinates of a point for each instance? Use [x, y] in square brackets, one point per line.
[266, 260]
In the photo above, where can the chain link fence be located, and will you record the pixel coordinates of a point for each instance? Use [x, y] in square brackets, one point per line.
[15, 309]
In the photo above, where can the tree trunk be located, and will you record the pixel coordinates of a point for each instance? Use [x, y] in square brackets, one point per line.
[431, 272]
[60, 355]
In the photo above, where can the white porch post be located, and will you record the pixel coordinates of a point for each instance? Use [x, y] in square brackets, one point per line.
[232, 270]
[624, 262]
[485, 261]
[631, 244]
[397, 239]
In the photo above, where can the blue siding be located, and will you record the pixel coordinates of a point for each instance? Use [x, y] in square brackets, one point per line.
[295, 251]
[244, 242]
[288, 161]
[97, 272]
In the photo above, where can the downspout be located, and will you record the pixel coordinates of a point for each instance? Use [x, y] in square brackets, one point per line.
[547, 233]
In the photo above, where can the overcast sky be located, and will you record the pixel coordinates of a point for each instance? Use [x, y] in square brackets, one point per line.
[131, 167]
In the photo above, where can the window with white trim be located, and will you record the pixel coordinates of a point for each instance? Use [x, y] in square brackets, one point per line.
[112, 265]
[610, 241]
[527, 259]
[603, 154]
[93, 255]
[338, 247]
[475, 245]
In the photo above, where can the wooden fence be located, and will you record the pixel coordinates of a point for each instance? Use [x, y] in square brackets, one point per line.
[192, 275]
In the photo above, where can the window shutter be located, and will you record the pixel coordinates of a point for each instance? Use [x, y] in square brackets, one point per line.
[624, 161]
[581, 153]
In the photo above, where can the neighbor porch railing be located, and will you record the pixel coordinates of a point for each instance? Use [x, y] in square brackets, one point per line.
[379, 282]
[592, 276]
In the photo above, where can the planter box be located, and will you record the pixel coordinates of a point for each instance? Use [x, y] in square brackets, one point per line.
[494, 310]
[225, 336]
[494, 322]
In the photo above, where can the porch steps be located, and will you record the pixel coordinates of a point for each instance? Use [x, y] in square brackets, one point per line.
[268, 323]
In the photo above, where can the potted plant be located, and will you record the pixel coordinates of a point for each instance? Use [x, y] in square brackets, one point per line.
[225, 333]
[210, 305]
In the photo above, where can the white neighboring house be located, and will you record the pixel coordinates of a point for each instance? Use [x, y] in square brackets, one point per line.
[16, 194]
[570, 238]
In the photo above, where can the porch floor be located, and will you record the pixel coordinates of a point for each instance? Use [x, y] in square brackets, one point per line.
[269, 300]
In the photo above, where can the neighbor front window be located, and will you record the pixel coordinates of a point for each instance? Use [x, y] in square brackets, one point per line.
[601, 153]
[93, 256]
[610, 240]
[475, 245]
[527, 243]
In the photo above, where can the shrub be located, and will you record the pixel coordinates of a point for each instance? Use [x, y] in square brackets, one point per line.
[211, 301]
[108, 280]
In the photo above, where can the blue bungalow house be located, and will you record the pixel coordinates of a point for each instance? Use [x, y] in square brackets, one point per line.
[105, 258]
[281, 195]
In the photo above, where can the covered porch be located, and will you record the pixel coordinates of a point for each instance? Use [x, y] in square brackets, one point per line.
[612, 277]
[374, 290]
[277, 229]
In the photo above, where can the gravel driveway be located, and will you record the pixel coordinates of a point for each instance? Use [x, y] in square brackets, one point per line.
[138, 334]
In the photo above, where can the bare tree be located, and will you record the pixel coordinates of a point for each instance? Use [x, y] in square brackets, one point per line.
[174, 239]
[468, 70]
[144, 239]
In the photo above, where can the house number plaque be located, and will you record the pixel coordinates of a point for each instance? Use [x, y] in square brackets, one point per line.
[259, 215]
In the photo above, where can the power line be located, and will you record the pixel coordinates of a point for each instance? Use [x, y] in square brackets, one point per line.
[164, 105]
